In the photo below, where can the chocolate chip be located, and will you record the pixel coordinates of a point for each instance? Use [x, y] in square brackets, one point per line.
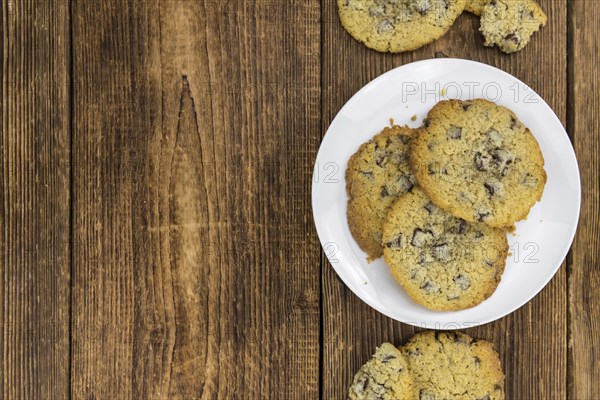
[382, 160]
[422, 6]
[489, 262]
[395, 243]
[385, 26]
[404, 139]
[501, 156]
[482, 215]
[430, 287]
[377, 10]
[493, 3]
[462, 281]
[459, 339]
[413, 274]
[441, 252]
[424, 395]
[512, 38]
[482, 162]
[414, 353]
[466, 106]
[430, 207]
[384, 192]
[513, 123]
[454, 132]
[497, 387]
[386, 358]
[368, 174]
[494, 137]
[398, 157]
[365, 384]
[405, 184]
[476, 360]
[421, 238]
[430, 169]
[426, 122]
[440, 54]
[492, 188]
[462, 227]
[478, 234]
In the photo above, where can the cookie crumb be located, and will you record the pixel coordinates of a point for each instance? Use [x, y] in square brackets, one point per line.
[443, 92]
[413, 118]
[392, 122]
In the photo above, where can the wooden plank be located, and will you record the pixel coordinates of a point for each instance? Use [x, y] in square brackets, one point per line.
[531, 341]
[34, 200]
[584, 271]
[194, 131]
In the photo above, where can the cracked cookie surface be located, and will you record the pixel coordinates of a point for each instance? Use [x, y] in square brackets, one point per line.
[479, 162]
[384, 377]
[443, 262]
[509, 24]
[398, 25]
[377, 174]
[453, 366]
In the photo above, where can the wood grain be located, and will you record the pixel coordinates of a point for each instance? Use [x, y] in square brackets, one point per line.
[531, 341]
[194, 273]
[161, 244]
[584, 271]
[34, 200]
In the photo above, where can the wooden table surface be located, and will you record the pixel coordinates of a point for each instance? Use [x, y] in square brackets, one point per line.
[156, 229]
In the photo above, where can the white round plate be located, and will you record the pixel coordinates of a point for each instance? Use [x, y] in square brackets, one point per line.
[539, 244]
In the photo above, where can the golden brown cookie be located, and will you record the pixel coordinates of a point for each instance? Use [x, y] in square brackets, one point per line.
[385, 377]
[476, 160]
[443, 262]
[453, 366]
[398, 25]
[377, 174]
[509, 24]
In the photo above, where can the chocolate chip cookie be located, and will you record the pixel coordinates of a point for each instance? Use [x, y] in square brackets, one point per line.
[443, 262]
[377, 174]
[475, 6]
[398, 25]
[453, 366]
[477, 161]
[384, 377]
[509, 24]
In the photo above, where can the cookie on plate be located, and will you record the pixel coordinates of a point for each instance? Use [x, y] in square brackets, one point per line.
[398, 25]
[443, 262]
[475, 6]
[509, 24]
[476, 160]
[453, 366]
[377, 174]
[385, 377]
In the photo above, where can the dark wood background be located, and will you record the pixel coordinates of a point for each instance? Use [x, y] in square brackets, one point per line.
[156, 233]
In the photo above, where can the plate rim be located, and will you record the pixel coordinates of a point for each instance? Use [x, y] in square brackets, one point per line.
[571, 153]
